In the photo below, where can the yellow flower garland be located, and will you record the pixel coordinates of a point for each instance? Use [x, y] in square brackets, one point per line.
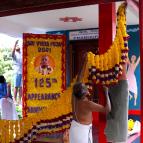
[14, 131]
[106, 68]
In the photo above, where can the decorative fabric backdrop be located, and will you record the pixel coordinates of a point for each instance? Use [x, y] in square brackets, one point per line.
[43, 71]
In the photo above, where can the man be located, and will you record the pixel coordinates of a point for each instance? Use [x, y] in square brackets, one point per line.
[17, 66]
[81, 126]
[117, 120]
[44, 67]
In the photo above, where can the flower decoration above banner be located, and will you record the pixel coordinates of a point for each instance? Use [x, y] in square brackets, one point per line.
[106, 68]
[43, 72]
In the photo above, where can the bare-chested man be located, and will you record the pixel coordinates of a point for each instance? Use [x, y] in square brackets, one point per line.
[81, 126]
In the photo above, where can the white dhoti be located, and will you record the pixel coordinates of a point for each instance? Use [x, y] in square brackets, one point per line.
[80, 133]
[8, 109]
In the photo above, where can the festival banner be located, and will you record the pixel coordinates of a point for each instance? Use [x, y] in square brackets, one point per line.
[43, 71]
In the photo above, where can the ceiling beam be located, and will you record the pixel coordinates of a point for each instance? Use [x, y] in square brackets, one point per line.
[133, 4]
[12, 7]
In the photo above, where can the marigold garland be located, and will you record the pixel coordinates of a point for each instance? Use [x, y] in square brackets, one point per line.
[50, 120]
[106, 68]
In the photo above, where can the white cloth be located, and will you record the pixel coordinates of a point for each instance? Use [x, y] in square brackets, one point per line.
[132, 83]
[80, 133]
[136, 128]
[8, 109]
[44, 71]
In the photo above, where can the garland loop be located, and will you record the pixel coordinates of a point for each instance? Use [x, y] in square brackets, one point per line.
[106, 68]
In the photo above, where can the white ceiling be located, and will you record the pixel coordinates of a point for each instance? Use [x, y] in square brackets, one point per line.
[41, 22]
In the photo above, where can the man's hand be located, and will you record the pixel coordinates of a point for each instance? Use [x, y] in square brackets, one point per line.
[108, 103]
[16, 43]
[14, 48]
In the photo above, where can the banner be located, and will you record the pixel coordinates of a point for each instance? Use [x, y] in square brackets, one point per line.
[84, 34]
[43, 71]
[133, 69]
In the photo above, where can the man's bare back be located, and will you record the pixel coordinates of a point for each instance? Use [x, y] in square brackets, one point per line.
[83, 108]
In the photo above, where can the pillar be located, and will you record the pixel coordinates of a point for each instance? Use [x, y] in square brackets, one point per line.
[107, 29]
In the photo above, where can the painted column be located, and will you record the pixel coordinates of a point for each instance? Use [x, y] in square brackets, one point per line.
[107, 29]
[141, 62]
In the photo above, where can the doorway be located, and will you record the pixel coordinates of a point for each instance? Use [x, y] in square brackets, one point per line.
[78, 50]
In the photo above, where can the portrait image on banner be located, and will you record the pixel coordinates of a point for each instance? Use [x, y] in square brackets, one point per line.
[43, 72]
[133, 67]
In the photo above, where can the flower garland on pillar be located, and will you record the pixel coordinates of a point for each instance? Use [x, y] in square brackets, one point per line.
[106, 68]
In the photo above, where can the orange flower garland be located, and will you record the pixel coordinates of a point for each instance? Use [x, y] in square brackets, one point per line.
[106, 68]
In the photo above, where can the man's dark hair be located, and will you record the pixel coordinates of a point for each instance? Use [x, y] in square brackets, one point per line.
[79, 90]
[2, 79]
